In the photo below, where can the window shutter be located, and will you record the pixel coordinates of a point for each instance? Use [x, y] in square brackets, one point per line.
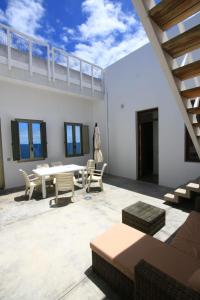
[15, 140]
[44, 139]
[85, 139]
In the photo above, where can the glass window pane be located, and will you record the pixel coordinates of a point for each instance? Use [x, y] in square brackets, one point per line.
[37, 143]
[78, 139]
[24, 140]
[69, 139]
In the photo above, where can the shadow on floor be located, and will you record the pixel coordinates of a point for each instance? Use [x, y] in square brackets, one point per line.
[94, 190]
[102, 285]
[37, 195]
[186, 205]
[62, 201]
[152, 190]
[141, 187]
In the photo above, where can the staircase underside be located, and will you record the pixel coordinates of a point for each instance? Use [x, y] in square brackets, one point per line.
[176, 53]
[186, 191]
[169, 13]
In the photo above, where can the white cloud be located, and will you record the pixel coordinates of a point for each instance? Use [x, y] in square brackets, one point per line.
[105, 52]
[65, 38]
[24, 15]
[67, 33]
[2, 16]
[108, 33]
[104, 17]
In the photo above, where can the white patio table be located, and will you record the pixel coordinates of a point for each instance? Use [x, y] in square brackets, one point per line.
[43, 172]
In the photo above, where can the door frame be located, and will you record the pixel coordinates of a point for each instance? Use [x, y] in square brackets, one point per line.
[2, 186]
[138, 142]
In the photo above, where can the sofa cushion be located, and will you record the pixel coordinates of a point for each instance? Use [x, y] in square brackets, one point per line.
[191, 228]
[187, 238]
[124, 247]
[194, 281]
[186, 246]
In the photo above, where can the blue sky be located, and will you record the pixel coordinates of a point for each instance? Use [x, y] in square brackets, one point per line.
[100, 31]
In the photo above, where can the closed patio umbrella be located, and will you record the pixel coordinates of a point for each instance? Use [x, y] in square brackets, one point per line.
[98, 156]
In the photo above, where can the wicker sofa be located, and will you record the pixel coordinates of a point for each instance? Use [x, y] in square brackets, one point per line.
[140, 267]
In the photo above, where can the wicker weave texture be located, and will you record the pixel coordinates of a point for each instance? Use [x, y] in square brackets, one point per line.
[117, 280]
[152, 284]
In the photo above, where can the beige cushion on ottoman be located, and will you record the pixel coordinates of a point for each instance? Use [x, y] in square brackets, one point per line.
[123, 247]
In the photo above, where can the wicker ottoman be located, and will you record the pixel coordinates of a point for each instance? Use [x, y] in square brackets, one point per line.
[144, 217]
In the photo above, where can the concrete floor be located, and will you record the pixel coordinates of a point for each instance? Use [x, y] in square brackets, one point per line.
[45, 253]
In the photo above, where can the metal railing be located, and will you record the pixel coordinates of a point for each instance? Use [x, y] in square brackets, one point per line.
[38, 57]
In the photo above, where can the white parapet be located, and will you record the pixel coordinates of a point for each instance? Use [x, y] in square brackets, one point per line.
[27, 59]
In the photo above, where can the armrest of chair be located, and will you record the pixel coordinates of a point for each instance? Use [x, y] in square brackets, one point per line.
[32, 176]
[153, 284]
[96, 173]
[35, 178]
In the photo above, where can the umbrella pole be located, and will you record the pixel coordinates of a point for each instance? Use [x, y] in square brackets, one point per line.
[93, 143]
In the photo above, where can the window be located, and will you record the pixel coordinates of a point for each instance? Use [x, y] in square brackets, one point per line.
[190, 152]
[73, 139]
[29, 140]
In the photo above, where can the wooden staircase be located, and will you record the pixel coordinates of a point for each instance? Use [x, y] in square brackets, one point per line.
[157, 19]
[184, 191]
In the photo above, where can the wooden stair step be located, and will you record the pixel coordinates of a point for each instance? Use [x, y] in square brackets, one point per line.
[170, 12]
[194, 110]
[193, 186]
[196, 124]
[183, 43]
[169, 197]
[182, 192]
[188, 71]
[191, 93]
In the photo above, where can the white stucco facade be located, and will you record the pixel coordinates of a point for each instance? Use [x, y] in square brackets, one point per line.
[138, 83]
[24, 102]
[133, 84]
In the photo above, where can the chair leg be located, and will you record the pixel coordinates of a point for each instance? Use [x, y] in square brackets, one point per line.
[101, 184]
[31, 191]
[89, 182]
[73, 195]
[26, 191]
[56, 200]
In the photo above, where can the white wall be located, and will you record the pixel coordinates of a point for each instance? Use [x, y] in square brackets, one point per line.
[138, 83]
[132, 84]
[18, 101]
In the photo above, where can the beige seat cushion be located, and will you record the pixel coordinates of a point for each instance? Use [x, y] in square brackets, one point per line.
[124, 247]
[194, 281]
[187, 238]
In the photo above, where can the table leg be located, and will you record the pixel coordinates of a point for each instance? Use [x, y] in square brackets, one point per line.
[83, 178]
[44, 192]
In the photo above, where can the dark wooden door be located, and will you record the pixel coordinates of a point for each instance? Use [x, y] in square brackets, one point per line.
[147, 148]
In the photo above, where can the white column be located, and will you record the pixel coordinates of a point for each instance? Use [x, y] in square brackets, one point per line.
[81, 75]
[53, 64]
[68, 74]
[9, 48]
[48, 63]
[92, 80]
[30, 58]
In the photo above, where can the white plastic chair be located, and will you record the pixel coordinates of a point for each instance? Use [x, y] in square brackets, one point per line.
[96, 176]
[89, 168]
[56, 163]
[31, 182]
[64, 182]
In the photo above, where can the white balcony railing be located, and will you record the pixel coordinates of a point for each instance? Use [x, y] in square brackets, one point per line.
[19, 51]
